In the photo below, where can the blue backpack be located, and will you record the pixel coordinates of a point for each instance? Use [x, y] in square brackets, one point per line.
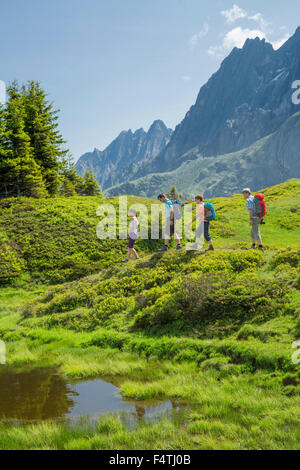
[177, 208]
[209, 211]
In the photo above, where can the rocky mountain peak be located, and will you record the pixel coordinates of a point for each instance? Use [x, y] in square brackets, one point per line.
[248, 98]
[126, 151]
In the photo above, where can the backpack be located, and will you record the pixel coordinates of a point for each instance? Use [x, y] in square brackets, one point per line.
[177, 208]
[209, 211]
[260, 205]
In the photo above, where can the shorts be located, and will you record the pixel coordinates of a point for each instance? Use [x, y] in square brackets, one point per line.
[170, 229]
[255, 230]
[206, 233]
[131, 242]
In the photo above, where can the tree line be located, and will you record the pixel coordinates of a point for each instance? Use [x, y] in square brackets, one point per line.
[34, 161]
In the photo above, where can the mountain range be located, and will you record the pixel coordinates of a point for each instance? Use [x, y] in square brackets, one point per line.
[242, 130]
[118, 162]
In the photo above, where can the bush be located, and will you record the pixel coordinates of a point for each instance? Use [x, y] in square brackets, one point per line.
[248, 331]
[11, 263]
[287, 256]
[204, 300]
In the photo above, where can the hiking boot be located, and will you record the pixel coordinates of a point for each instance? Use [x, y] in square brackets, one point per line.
[253, 247]
[179, 247]
[211, 248]
[261, 248]
[125, 260]
[162, 250]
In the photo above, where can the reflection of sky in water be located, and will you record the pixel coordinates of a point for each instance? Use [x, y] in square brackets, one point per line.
[41, 394]
[97, 396]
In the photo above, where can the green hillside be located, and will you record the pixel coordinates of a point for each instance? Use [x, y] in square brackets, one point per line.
[54, 240]
[270, 160]
[213, 331]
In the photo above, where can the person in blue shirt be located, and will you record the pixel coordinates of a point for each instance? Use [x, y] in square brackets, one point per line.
[170, 223]
[254, 220]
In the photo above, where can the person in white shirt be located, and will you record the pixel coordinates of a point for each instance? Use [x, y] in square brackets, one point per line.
[132, 235]
[254, 220]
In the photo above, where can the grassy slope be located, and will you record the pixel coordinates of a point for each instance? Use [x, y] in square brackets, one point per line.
[232, 366]
[55, 239]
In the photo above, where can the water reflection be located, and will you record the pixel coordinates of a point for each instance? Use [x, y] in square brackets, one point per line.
[34, 395]
[42, 394]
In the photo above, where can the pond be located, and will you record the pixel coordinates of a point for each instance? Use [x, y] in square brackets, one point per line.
[43, 394]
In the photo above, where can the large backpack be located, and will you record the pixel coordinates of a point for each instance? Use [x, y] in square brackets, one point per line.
[177, 208]
[260, 205]
[209, 211]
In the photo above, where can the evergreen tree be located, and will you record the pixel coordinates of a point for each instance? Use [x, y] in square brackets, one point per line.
[90, 185]
[45, 139]
[33, 161]
[21, 175]
[83, 186]
[70, 178]
[173, 193]
[68, 188]
[4, 155]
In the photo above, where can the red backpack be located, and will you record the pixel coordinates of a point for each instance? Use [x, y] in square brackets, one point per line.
[260, 205]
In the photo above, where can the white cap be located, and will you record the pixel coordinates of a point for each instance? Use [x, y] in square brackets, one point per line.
[246, 190]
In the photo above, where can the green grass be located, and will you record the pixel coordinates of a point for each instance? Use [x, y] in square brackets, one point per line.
[54, 240]
[231, 415]
[213, 333]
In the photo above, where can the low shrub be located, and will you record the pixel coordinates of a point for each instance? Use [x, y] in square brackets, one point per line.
[205, 299]
[11, 263]
[289, 256]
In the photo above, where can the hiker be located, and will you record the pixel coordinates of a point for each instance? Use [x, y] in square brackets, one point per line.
[132, 235]
[205, 213]
[254, 220]
[170, 223]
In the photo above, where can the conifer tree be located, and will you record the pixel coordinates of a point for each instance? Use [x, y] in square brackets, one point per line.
[70, 178]
[68, 188]
[22, 174]
[4, 155]
[173, 193]
[90, 185]
[45, 139]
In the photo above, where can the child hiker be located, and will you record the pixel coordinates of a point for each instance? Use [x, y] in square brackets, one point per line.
[132, 235]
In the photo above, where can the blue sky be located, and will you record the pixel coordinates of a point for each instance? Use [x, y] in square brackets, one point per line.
[111, 65]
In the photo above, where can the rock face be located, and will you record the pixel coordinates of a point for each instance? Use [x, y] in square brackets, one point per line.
[268, 161]
[248, 98]
[216, 146]
[119, 161]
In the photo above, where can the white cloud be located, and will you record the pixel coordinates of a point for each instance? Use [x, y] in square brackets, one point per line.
[258, 17]
[186, 78]
[201, 34]
[237, 13]
[235, 38]
[277, 44]
[234, 14]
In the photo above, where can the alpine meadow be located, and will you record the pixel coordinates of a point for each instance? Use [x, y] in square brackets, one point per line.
[171, 342]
